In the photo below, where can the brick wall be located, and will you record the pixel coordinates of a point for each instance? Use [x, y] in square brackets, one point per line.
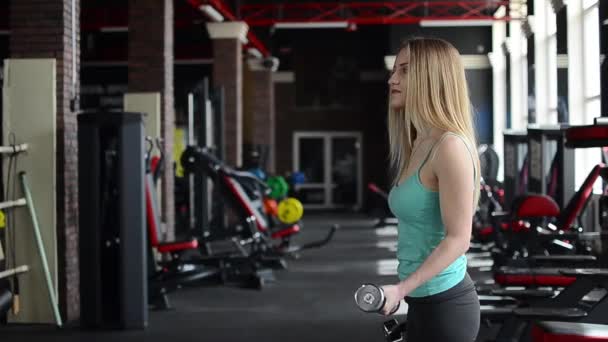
[228, 73]
[248, 100]
[43, 29]
[263, 112]
[151, 70]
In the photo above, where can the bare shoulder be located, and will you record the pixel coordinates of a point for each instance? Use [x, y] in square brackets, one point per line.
[452, 153]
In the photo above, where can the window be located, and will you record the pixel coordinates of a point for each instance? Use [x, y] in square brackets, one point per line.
[519, 76]
[591, 43]
[584, 76]
[551, 26]
[499, 80]
[545, 55]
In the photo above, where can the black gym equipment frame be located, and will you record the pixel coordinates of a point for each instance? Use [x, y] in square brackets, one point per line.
[253, 227]
[515, 150]
[112, 247]
[540, 139]
[200, 208]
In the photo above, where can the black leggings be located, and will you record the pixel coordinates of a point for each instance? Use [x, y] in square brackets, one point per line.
[452, 315]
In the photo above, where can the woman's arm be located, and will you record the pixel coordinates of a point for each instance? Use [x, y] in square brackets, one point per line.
[453, 167]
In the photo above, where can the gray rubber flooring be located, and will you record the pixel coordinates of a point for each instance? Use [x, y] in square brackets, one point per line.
[310, 301]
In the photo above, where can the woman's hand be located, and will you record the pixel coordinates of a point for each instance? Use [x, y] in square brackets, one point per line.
[393, 294]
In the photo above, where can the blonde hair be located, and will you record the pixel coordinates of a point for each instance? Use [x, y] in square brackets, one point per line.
[436, 95]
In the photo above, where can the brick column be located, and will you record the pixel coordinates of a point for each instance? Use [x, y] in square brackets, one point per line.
[43, 29]
[262, 106]
[151, 70]
[228, 73]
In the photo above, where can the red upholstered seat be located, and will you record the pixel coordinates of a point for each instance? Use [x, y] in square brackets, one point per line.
[152, 218]
[512, 276]
[539, 206]
[286, 232]
[177, 246]
[486, 231]
[549, 331]
[536, 206]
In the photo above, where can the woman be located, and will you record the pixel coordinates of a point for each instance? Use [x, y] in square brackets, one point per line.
[435, 192]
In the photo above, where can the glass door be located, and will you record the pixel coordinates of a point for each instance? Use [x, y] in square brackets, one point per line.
[311, 161]
[331, 163]
[345, 171]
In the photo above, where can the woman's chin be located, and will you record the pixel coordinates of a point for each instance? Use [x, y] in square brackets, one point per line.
[396, 105]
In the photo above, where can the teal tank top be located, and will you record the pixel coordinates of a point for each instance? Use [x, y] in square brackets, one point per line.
[420, 230]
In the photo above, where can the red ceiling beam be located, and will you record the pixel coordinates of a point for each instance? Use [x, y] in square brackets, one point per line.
[403, 12]
[222, 8]
[219, 5]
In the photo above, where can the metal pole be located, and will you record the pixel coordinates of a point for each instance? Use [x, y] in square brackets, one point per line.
[200, 203]
[41, 251]
[191, 181]
[218, 121]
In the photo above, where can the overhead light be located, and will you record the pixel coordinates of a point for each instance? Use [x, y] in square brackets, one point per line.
[212, 13]
[255, 52]
[475, 62]
[389, 62]
[311, 25]
[605, 22]
[562, 61]
[455, 23]
[5, 32]
[500, 12]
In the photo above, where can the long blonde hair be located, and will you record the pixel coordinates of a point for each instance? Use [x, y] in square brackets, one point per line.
[436, 95]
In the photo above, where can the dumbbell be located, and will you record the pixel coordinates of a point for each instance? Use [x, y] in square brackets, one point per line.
[393, 330]
[371, 298]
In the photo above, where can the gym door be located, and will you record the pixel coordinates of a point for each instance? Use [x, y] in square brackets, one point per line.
[331, 162]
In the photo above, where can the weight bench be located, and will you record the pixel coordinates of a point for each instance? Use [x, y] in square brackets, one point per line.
[153, 223]
[531, 276]
[550, 331]
[568, 305]
[518, 229]
[182, 262]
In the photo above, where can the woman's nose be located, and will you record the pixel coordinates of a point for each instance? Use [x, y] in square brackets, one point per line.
[393, 79]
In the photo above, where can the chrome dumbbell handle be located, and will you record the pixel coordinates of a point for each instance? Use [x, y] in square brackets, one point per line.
[371, 298]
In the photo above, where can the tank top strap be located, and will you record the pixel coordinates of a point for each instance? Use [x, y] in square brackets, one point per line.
[434, 148]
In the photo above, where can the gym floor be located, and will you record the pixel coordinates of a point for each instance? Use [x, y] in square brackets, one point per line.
[310, 301]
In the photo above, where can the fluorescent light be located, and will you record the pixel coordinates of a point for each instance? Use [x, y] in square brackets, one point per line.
[254, 52]
[605, 22]
[311, 25]
[5, 32]
[455, 23]
[471, 62]
[212, 13]
[562, 61]
[500, 12]
[111, 29]
[389, 62]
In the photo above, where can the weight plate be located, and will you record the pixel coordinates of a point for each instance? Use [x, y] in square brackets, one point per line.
[290, 210]
[369, 298]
